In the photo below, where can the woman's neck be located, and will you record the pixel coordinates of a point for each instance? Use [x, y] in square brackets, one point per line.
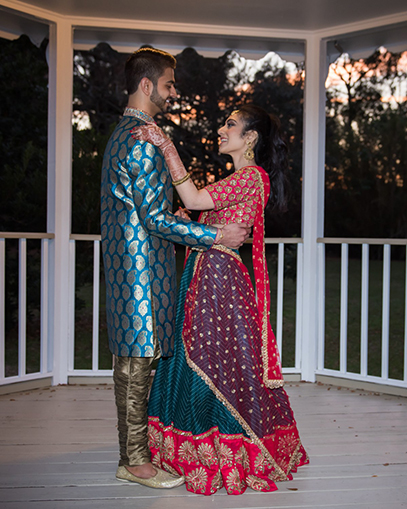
[241, 162]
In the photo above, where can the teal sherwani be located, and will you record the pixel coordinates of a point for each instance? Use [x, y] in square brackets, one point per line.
[138, 231]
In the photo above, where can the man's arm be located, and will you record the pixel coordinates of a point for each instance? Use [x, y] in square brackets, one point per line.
[149, 188]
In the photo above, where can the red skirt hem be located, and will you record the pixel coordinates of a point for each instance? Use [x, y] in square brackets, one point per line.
[213, 460]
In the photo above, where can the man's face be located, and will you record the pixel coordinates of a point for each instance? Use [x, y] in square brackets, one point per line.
[163, 91]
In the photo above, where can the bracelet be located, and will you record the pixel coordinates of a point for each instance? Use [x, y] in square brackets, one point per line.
[181, 181]
[217, 240]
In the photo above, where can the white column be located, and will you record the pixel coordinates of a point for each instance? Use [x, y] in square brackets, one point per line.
[312, 196]
[59, 191]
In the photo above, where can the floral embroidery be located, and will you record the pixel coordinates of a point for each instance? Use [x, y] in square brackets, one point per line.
[187, 452]
[255, 483]
[207, 455]
[259, 462]
[169, 449]
[213, 460]
[156, 459]
[242, 458]
[287, 444]
[217, 482]
[197, 479]
[233, 481]
[154, 437]
[225, 455]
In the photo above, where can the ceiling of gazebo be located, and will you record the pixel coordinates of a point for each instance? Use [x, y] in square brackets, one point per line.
[278, 14]
[251, 27]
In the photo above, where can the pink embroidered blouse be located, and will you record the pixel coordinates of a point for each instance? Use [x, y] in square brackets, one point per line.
[238, 197]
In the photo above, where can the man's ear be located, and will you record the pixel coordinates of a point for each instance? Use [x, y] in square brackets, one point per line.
[146, 86]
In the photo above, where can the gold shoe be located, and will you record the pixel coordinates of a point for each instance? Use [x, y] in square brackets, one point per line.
[161, 479]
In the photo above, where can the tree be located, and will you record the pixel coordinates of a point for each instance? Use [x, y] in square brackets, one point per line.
[366, 163]
[208, 91]
[23, 135]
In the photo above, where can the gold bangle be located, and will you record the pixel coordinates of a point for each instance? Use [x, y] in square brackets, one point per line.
[217, 240]
[181, 181]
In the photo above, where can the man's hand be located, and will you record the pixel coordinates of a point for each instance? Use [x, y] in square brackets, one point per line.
[184, 213]
[234, 235]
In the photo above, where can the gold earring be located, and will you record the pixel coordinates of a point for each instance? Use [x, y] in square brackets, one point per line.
[249, 154]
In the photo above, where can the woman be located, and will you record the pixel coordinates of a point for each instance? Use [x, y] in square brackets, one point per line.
[218, 413]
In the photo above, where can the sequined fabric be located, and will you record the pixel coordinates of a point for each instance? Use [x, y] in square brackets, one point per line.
[138, 231]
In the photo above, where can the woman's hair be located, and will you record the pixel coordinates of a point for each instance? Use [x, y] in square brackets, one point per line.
[270, 151]
[148, 63]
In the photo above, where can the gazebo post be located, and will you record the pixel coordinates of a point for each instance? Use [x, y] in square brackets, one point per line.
[313, 196]
[59, 192]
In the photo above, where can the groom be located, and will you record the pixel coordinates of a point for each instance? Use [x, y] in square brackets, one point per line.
[138, 231]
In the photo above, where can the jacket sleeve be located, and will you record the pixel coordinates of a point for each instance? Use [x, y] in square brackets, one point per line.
[152, 196]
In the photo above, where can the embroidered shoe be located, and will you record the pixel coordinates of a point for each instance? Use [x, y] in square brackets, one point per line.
[161, 480]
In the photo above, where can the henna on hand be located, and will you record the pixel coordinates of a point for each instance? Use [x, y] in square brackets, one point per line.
[152, 134]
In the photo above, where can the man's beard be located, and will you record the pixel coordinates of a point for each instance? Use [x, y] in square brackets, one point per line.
[159, 101]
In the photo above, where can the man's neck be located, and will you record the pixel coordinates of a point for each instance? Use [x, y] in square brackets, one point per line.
[144, 106]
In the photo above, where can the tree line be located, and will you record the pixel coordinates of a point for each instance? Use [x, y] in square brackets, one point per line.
[366, 127]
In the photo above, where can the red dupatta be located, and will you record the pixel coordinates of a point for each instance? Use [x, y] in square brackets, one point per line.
[272, 375]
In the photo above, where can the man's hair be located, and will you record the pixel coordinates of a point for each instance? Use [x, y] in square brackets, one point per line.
[148, 63]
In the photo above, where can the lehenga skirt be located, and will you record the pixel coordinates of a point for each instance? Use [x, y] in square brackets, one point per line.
[211, 418]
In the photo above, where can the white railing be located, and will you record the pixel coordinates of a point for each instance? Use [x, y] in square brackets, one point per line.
[44, 369]
[96, 372]
[362, 374]
[343, 371]
[281, 242]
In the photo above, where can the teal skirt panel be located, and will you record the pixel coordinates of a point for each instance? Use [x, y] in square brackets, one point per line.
[179, 396]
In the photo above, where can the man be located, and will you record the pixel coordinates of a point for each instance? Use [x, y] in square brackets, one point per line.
[138, 230]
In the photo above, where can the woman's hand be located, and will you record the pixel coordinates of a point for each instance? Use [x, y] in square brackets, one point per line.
[152, 134]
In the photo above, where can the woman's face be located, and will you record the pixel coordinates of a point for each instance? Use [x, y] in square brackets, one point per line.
[231, 140]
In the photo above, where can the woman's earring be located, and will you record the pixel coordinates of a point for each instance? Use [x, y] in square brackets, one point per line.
[249, 154]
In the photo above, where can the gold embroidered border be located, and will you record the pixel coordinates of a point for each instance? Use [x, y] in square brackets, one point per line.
[295, 458]
[271, 384]
[228, 251]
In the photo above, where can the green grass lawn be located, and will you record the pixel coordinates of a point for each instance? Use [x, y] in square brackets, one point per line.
[83, 318]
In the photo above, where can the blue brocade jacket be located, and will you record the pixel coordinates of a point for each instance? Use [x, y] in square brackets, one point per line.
[138, 230]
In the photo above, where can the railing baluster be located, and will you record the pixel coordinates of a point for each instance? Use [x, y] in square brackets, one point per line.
[2, 307]
[386, 311]
[71, 335]
[321, 307]
[95, 324]
[364, 319]
[44, 305]
[22, 306]
[405, 323]
[298, 314]
[280, 297]
[344, 308]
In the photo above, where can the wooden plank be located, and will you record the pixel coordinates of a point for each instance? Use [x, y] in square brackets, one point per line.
[58, 449]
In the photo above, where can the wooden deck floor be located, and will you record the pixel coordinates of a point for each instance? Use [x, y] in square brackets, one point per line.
[58, 449]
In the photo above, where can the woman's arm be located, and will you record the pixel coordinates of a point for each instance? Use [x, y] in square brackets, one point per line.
[193, 198]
